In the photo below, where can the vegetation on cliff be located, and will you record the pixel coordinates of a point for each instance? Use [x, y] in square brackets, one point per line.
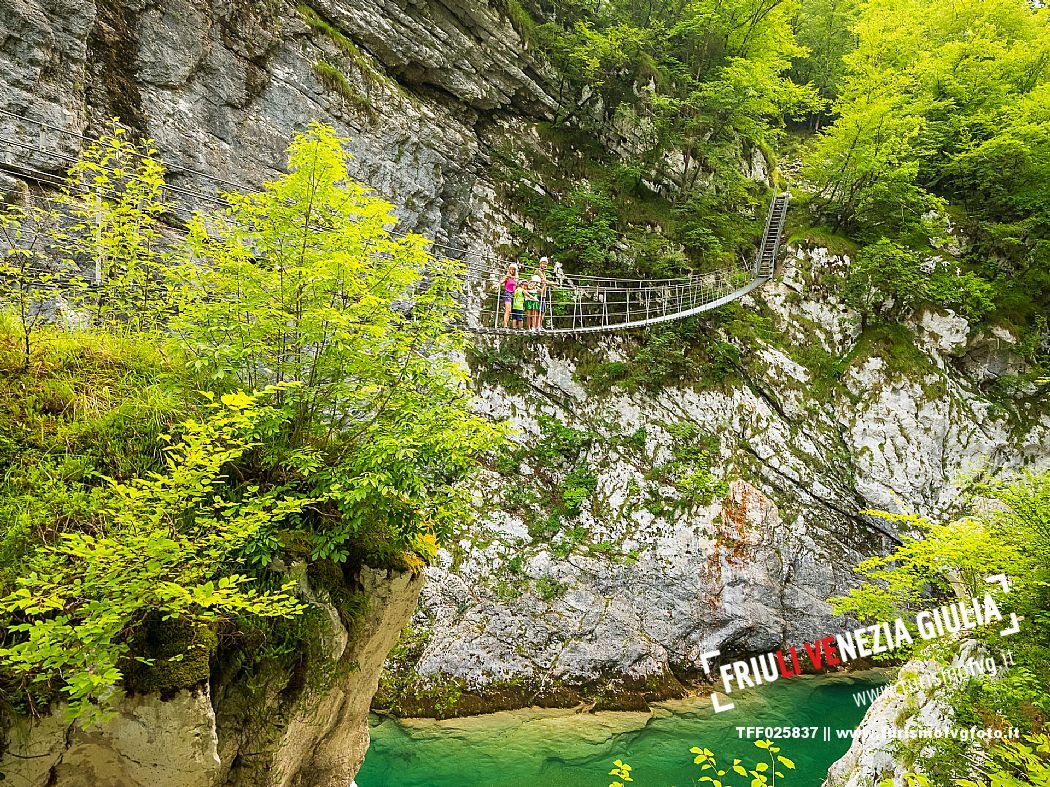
[684, 92]
[278, 386]
[941, 115]
[929, 164]
[1007, 533]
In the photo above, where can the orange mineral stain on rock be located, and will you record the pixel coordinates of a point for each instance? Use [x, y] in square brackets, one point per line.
[732, 538]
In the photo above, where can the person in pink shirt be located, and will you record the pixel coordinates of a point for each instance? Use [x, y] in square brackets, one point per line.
[509, 286]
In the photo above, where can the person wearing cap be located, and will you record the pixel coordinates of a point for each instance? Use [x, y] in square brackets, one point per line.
[509, 286]
[543, 294]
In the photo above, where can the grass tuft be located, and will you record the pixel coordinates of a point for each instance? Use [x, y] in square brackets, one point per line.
[323, 26]
[334, 79]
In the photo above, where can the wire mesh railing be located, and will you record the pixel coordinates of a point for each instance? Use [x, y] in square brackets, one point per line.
[565, 304]
[584, 304]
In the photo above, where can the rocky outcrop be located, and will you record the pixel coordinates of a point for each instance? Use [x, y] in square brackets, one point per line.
[466, 50]
[160, 743]
[872, 757]
[905, 708]
[268, 728]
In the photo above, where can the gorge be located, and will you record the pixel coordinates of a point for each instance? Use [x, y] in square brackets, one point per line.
[660, 495]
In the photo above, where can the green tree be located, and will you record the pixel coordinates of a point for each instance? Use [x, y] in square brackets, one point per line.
[825, 29]
[590, 63]
[301, 292]
[888, 276]
[884, 273]
[113, 197]
[691, 95]
[583, 227]
[302, 282]
[865, 165]
[27, 284]
[947, 101]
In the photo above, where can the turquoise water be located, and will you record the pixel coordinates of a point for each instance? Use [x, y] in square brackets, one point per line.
[540, 748]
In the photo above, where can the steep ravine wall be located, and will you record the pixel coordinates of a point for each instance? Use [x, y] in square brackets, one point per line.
[222, 86]
[613, 602]
[272, 729]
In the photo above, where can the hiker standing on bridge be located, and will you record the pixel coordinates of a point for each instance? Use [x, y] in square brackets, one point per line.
[542, 295]
[532, 302]
[517, 312]
[509, 287]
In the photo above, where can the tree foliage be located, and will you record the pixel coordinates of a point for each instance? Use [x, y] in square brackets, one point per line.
[1009, 534]
[338, 432]
[111, 203]
[161, 544]
[939, 103]
[888, 278]
[301, 282]
[693, 93]
[826, 29]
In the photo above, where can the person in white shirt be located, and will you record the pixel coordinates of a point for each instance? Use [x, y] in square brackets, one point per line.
[544, 293]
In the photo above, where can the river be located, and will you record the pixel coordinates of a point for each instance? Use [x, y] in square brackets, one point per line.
[551, 748]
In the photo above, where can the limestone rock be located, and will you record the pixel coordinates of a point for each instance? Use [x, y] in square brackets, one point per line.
[148, 743]
[993, 354]
[464, 48]
[943, 331]
[278, 734]
[873, 755]
[222, 87]
[628, 593]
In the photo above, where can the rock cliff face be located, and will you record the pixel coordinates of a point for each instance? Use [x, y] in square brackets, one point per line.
[721, 517]
[221, 87]
[275, 729]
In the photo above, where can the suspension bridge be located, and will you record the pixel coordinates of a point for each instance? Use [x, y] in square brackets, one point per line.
[572, 303]
[590, 304]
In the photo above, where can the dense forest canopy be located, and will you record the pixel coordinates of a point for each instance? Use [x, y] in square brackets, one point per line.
[896, 124]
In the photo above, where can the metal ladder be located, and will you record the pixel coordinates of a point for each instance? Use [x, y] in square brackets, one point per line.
[766, 258]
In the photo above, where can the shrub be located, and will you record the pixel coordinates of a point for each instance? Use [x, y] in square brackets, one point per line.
[159, 545]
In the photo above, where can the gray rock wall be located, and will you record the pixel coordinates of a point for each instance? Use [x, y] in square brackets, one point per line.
[618, 602]
[222, 87]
